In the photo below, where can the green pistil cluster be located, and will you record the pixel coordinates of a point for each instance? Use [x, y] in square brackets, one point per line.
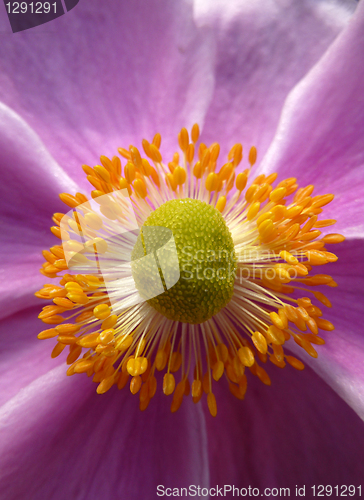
[206, 256]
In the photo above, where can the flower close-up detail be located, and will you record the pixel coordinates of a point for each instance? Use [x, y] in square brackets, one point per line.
[194, 314]
[241, 259]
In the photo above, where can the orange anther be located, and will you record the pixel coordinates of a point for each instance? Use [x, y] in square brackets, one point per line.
[168, 384]
[246, 356]
[221, 203]
[211, 182]
[135, 157]
[179, 176]
[129, 172]
[140, 188]
[69, 200]
[260, 342]
[241, 180]
[157, 140]
[211, 403]
[155, 153]
[238, 154]
[252, 155]
[183, 139]
[195, 133]
[170, 181]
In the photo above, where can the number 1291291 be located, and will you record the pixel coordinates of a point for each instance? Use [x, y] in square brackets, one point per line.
[31, 8]
[338, 491]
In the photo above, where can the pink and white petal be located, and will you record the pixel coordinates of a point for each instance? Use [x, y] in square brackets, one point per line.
[295, 432]
[19, 282]
[320, 136]
[23, 357]
[30, 182]
[108, 75]
[263, 49]
[76, 444]
[340, 360]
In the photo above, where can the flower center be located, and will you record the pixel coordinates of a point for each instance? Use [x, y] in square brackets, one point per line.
[204, 321]
[206, 258]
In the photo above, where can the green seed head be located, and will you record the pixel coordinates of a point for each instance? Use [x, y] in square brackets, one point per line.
[206, 257]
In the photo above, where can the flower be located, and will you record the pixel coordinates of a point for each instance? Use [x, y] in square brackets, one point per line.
[224, 285]
[57, 426]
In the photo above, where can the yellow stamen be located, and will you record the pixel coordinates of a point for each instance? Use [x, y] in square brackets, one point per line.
[277, 240]
[168, 384]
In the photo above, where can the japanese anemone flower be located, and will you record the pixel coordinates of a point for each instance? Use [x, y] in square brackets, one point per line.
[285, 79]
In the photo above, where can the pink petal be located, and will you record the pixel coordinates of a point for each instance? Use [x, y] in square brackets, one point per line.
[30, 183]
[296, 432]
[19, 282]
[340, 361]
[30, 180]
[114, 74]
[76, 444]
[263, 49]
[23, 357]
[320, 136]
